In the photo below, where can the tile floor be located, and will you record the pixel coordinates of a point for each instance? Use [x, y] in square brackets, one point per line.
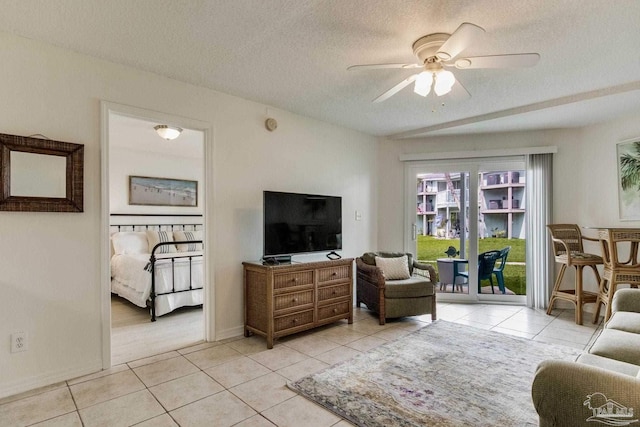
[238, 382]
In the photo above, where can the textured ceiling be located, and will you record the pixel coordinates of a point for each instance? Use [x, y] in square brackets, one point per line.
[294, 54]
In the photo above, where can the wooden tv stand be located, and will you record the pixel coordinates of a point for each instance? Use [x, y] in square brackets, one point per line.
[283, 299]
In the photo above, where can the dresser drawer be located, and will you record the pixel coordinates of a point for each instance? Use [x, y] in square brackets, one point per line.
[334, 273]
[293, 299]
[332, 310]
[293, 320]
[335, 291]
[287, 280]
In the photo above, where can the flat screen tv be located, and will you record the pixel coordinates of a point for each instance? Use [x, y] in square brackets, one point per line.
[301, 223]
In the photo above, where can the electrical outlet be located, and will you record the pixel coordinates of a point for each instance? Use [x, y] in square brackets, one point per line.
[18, 342]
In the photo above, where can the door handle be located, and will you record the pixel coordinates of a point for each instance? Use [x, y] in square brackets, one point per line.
[414, 231]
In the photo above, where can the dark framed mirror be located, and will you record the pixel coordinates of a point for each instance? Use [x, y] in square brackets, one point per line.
[40, 175]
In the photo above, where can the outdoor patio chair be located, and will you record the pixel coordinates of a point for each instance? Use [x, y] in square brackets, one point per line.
[498, 270]
[486, 264]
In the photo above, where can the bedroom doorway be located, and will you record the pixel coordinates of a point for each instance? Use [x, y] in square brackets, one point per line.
[153, 191]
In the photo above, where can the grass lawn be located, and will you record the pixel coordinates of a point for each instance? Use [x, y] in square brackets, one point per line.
[431, 248]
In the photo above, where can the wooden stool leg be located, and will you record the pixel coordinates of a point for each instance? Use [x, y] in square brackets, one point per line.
[556, 286]
[579, 269]
[612, 289]
[600, 300]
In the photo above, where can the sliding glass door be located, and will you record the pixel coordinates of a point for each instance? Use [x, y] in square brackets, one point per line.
[458, 215]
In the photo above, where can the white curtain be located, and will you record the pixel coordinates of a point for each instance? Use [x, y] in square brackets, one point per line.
[539, 270]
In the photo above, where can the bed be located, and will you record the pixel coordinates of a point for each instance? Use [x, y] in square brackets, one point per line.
[158, 266]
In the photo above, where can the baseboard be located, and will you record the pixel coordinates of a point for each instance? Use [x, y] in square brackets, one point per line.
[30, 383]
[230, 333]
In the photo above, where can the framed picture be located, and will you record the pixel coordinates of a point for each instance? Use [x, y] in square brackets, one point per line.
[144, 190]
[628, 155]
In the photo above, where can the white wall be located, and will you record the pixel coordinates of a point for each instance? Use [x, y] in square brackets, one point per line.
[49, 262]
[124, 162]
[584, 175]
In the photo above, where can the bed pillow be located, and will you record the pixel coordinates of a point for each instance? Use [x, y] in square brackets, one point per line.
[188, 235]
[396, 268]
[130, 242]
[156, 237]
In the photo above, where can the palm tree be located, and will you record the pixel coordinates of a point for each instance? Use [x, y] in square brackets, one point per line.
[630, 168]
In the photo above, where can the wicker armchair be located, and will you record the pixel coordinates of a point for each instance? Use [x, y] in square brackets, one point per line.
[411, 296]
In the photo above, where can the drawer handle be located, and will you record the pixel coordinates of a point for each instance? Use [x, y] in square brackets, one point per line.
[335, 310]
[294, 321]
[295, 279]
[333, 293]
[294, 300]
[335, 273]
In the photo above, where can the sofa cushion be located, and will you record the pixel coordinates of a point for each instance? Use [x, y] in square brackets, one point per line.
[609, 364]
[625, 321]
[618, 345]
[394, 268]
[412, 287]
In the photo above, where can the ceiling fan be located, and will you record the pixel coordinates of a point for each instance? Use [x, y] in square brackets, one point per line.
[436, 52]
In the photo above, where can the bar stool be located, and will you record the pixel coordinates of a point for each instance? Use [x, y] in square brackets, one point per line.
[568, 251]
[616, 272]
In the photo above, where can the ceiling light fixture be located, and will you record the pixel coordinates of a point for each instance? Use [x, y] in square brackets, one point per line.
[168, 132]
[442, 81]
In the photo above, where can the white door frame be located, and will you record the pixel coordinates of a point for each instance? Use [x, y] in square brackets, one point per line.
[106, 109]
[473, 166]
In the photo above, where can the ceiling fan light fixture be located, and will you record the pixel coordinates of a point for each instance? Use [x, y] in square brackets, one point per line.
[168, 132]
[423, 83]
[444, 82]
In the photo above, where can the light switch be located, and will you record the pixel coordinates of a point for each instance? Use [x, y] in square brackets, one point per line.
[358, 216]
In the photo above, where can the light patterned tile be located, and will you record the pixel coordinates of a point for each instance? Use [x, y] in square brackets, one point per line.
[185, 390]
[278, 357]
[255, 421]
[153, 359]
[163, 420]
[213, 356]
[337, 355]
[32, 392]
[122, 411]
[263, 392]
[71, 419]
[302, 369]
[250, 345]
[197, 347]
[237, 371]
[366, 343]
[341, 335]
[104, 388]
[40, 407]
[103, 373]
[311, 344]
[514, 333]
[299, 411]
[222, 409]
[165, 370]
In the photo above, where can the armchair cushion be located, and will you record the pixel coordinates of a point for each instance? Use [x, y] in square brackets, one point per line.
[413, 287]
[624, 321]
[394, 268]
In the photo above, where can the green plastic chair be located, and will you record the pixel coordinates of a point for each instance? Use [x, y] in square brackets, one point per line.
[486, 264]
[504, 252]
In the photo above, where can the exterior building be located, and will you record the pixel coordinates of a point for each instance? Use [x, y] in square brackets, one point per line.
[501, 199]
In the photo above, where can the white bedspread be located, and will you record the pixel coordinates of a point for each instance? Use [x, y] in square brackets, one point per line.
[130, 280]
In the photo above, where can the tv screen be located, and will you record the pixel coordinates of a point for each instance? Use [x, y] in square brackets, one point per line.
[298, 223]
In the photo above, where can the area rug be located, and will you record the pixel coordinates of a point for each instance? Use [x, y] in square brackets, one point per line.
[445, 374]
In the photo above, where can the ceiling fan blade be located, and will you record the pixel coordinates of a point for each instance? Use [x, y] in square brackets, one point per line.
[379, 66]
[518, 60]
[459, 92]
[459, 41]
[397, 88]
